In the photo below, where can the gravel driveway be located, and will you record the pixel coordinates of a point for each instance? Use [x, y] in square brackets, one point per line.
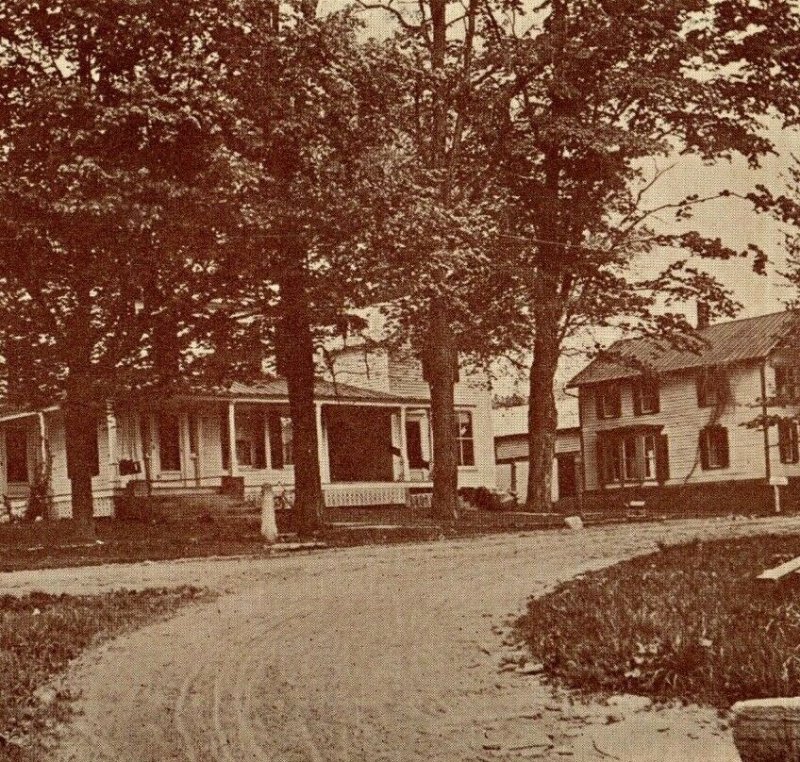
[373, 654]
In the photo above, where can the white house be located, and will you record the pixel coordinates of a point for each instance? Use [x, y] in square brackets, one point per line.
[511, 450]
[374, 440]
[666, 424]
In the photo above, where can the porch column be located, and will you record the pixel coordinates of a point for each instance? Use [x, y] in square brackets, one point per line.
[232, 464]
[403, 446]
[42, 439]
[322, 447]
[111, 428]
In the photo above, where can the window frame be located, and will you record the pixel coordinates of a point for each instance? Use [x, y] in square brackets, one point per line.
[608, 398]
[708, 386]
[648, 472]
[713, 436]
[791, 381]
[465, 441]
[646, 390]
[789, 450]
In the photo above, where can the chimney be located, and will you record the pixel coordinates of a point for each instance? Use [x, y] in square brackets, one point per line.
[703, 316]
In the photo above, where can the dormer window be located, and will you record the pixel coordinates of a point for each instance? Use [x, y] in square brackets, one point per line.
[645, 396]
[609, 403]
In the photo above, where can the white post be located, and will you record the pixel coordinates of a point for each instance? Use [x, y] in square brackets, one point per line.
[322, 447]
[232, 464]
[269, 527]
[777, 498]
[403, 446]
[42, 438]
[111, 428]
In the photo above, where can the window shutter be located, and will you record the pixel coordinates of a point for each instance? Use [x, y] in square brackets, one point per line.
[275, 441]
[260, 449]
[700, 381]
[617, 401]
[636, 390]
[657, 396]
[662, 458]
[601, 462]
[780, 380]
[225, 440]
[785, 441]
[598, 401]
[721, 434]
[704, 434]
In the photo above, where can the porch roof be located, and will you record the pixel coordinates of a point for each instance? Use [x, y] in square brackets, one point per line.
[324, 391]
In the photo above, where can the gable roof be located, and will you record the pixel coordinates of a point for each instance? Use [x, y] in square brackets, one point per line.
[725, 343]
[513, 421]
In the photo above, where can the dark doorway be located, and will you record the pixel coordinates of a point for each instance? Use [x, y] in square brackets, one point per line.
[359, 444]
[567, 475]
[17, 455]
[169, 442]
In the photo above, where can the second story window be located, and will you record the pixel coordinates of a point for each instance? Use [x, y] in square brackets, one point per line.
[787, 382]
[645, 396]
[708, 387]
[609, 404]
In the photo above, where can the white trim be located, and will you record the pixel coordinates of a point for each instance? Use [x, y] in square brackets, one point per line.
[25, 414]
[233, 465]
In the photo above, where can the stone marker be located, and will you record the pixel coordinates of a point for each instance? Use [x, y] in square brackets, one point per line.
[767, 730]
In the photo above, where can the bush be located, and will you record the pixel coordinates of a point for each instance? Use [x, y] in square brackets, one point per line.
[690, 622]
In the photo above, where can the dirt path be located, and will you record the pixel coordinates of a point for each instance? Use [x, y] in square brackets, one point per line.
[363, 654]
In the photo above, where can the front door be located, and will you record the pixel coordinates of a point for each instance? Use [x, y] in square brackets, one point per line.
[567, 475]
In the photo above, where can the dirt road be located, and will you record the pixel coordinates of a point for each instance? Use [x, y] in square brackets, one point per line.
[363, 654]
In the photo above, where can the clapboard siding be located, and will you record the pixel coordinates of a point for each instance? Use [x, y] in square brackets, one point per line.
[682, 419]
[516, 447]
[357, 366]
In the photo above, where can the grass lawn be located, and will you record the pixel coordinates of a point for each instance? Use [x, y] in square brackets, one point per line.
[40, 634]
[689, 622]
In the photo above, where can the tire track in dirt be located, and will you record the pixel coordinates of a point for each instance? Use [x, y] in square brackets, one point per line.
[365, 654]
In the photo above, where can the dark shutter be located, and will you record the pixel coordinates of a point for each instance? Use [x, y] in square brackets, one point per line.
[637, 396]
[785, 440]
[704, 436]
[721, 435]
[662, 458]
[225, 439]
[275, 441]
[700, 381]
[601, 462]
[598, 401]
[617, 400]
[259, 445]
[656, 392]
[780, 381]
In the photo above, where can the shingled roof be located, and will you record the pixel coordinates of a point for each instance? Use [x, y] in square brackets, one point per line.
[725, 343]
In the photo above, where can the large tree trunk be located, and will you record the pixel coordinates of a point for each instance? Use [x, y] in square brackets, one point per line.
[542, 419]
[80, 414]
[295, 349]
[440, 361]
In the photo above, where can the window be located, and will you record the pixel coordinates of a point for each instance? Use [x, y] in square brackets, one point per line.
[788, 441]
[250, 448]
[16, 455]
[708, 387]
[650, 456]
[787, 383]
[645, 396]
[637, 457]
[466, 443]
[714, 451]
[169, 442]
[280, 441]
[609, 404]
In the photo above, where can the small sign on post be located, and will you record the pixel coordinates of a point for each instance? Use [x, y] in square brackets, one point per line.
[777, 482]
[269, 527]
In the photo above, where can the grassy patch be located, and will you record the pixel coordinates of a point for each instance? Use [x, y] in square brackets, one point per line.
[40, 634]
[689, 623]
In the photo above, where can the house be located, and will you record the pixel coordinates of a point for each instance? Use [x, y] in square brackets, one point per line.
[678, 428]
[374, 441]
[511, 450]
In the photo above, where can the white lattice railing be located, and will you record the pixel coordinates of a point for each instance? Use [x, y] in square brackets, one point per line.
[354, 495]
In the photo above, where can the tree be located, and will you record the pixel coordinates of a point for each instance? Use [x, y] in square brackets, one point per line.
[105, 173]
[593, 90]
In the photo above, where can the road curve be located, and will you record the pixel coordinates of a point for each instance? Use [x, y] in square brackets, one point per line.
[362, 654]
